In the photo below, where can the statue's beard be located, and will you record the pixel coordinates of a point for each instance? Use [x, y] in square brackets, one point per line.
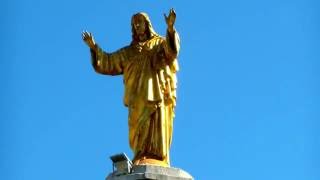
[142, 37]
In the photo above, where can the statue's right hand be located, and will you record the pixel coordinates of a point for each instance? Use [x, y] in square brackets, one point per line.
[88, 39]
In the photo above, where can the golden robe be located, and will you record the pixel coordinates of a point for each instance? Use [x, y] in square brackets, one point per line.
[149, 74]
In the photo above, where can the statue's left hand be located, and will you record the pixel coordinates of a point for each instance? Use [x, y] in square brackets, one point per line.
[88, 39]
[170, 20]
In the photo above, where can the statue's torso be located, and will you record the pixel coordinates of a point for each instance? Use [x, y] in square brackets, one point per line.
[141, 69]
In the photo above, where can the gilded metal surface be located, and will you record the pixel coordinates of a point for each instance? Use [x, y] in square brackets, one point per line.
[149, 67]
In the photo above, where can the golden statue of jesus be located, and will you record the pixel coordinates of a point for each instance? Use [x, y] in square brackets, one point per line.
[148, 65]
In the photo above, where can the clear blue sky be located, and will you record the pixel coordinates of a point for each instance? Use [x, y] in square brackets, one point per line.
[248, 99]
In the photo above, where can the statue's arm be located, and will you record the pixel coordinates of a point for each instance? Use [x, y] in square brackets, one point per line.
[103, 62]
[172, 42]
[107, 63]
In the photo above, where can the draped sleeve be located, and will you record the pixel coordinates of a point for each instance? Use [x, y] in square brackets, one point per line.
[171, 48]
[108, 63]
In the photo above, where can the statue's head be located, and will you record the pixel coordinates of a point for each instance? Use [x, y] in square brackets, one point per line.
[141, 24]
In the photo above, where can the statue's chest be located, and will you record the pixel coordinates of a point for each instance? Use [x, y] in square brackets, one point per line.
[145, 55]
[145, 49]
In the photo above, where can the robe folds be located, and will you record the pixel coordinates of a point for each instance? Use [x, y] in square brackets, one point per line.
[149, 75]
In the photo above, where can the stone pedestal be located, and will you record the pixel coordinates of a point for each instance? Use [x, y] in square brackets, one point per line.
[151, 172]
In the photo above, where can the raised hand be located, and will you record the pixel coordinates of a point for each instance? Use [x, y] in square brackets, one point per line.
[170, 20]
[88, 39]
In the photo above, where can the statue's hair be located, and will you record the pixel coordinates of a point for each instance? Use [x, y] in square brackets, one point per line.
[149, 29]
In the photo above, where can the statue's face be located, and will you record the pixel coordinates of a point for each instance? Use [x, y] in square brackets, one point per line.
[139, 25]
